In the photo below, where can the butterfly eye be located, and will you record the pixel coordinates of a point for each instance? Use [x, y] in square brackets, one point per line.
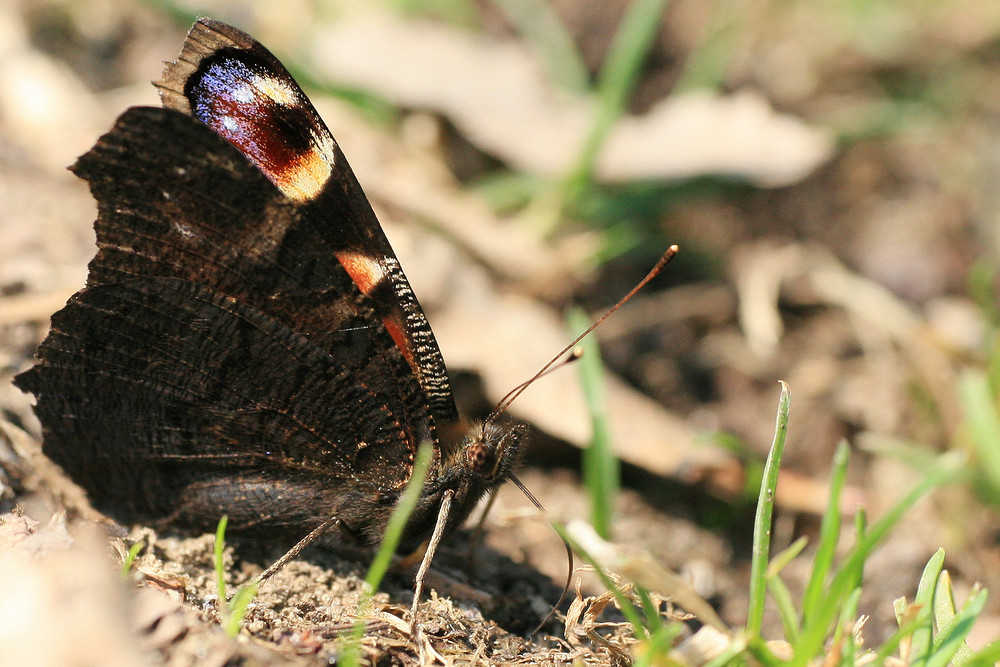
[480, 458]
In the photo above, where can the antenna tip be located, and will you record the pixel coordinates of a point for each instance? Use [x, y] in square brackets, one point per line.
[665, 259]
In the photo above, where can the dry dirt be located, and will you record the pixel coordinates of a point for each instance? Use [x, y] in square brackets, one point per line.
[849, 281]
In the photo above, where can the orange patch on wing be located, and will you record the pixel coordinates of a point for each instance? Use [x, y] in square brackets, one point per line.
[396, 331]
[367, 273]
[304, 178]
[364, 271]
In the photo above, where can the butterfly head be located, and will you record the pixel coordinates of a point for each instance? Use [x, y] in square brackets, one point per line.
[492, 451]
[484, 460]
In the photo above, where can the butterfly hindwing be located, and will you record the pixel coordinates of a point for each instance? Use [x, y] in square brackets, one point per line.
[198, 399]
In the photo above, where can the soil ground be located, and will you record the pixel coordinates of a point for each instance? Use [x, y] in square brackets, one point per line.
[849, 280]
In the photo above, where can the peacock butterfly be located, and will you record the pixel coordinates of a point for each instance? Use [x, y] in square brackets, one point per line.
[247, 343]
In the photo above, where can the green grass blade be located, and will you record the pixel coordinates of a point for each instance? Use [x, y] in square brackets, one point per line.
[980, 406]
[458, 12]
[659, 643]
[890, 645]
[729, 657]
[708, 63]
[829, 535]
[129, 561]
[762, 520]
[786, 555]
[617, 79]
[860, 530]
[981, 288]
[944, 600]
[926, 587]
[758, 648]
[786, 607]
[951, 639]
[601, 469]
[220, 564]
[899, 606]
[237, 607]
[810, 643]
[779, 592]
[945, 612]
[397, 522]
[651, 611]
[383, 557]
[848, 616]
[549, 38]
[988, 656]
[231, 613]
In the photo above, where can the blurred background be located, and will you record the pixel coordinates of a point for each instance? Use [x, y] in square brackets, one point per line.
[828, 169]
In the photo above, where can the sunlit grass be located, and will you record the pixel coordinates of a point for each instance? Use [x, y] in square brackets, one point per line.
[823, 626]
[601, 474]
[349, 656]
[231, 611]
[129, 561]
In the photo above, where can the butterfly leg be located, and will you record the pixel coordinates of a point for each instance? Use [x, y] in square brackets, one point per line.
[432, 545]
[297, 549]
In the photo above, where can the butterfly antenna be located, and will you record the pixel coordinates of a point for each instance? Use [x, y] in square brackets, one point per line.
[575, 353]
[506, 401]
[569, 555]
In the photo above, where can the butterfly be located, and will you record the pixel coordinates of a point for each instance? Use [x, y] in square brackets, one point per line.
[246, 343]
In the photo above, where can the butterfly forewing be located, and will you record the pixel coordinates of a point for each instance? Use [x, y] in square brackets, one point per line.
[237, 87]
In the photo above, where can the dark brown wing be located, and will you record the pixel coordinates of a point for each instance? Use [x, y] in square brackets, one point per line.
[230, 82]
[165, 398]
[213, 305]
